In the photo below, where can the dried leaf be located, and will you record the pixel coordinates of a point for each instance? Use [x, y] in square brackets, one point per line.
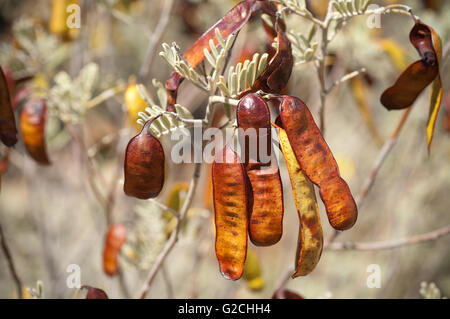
[8, 130]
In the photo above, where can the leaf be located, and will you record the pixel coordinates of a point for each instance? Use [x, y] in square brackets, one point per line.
[310, 239]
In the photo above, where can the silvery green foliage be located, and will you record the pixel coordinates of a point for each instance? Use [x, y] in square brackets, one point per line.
[38, 50]
[303, 48]
[349, 8]
[146, 238]
[430, 291]
[216, 58]
[165, 123]
[68, 97]
[297, 5]
[242, 76]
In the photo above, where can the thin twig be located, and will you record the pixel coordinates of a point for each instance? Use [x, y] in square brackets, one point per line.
[174, 235]
[154, 41]
[390, 244]
[10, 262]
[382, 155]
[345, 78]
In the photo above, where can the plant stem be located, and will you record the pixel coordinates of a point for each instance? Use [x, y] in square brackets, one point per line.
[154, 41]
[391, 244]
[10, 262]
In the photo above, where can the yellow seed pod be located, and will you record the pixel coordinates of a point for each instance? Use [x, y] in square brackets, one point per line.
[252, 271]
[175, 201]
[135, 104]
[58, 20]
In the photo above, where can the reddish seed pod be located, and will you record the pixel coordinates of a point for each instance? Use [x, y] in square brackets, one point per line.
[317, 162]
[230, 195]
[8, 130]
[94, 293]
[266, 190]
[115, 238]
[32, 125]
[144, 165]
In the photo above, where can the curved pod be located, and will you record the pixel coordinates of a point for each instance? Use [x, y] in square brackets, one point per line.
[310, 238]
[317, 162]
[115, 238]
[230, 210]
[144, 165]
[32, 125]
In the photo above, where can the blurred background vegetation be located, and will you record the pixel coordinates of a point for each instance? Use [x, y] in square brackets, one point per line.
[52, 216]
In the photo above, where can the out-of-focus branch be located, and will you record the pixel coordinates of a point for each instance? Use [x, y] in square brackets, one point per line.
[382, 155]
[10, 262]
[174, 236]
[390, 244]
[155, 39]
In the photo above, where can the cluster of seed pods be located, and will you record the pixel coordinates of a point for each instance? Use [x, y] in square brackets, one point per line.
[248, 194]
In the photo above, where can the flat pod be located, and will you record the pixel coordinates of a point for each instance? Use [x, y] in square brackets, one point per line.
[230, 210]
[310, 238]
[317, 162]
[8, 130]
[32, 125]
[144, 165]
[115, 238]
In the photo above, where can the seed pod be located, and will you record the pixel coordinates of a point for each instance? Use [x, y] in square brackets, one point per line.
[266, 190]
[286, 294]
[115, 238]
[252, 271]
[94, 293]
[278, 71]
[134, 103]
[144, 165]
[32, 125]
[418, 75]
[317, 162]
[8, 130]
[310, 238]
[230, 209]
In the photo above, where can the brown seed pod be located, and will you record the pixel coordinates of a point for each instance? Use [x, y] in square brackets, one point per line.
[115, 238]
[8, 130]
[418, 75]
[266, 190]
[277, 73]
[94, 293]
[317, 162]
[32, 125]
[144, 165]
[230, 210]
